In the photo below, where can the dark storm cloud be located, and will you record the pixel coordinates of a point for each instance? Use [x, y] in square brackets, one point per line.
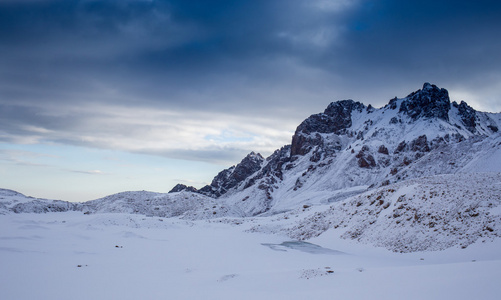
[426, 33]
[268, 58]
[150, 48]
[450, 42]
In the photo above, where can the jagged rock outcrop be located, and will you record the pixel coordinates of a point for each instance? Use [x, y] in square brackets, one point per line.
[365, 158]
[233, 176]
[420, 144]
[274, 166]
[429, 102]
[468, 115]
[383, 150]
[181, 187]
[270, 174]
[336, 119]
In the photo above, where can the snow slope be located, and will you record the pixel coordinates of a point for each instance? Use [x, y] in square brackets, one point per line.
[426, 214]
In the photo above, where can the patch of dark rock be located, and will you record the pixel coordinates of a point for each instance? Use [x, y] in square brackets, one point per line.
[181, 187]
[468, 115]
[395, 120]
[383, 150]
[401, 147]
[420, 144]
[493, 128]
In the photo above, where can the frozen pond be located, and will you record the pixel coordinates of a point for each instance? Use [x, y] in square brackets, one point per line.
[302, 246]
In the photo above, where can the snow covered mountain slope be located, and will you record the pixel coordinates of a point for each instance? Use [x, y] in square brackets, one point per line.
[12, 201]
[424, 214]
[351, 147]
[190, 205]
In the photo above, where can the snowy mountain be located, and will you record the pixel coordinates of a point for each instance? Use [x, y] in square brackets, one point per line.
[189, 205]
[351, 147]
[228, 178]
[420, 173]
[12, 201]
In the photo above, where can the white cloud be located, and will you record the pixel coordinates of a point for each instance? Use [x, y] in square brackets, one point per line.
[90, 172]
[164, 132]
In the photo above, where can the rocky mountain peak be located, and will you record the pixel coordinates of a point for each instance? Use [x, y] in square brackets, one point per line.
[253, 157]
[335, 119]
[428, 102]
[468, 115]
[181, 187]
[350, 145]
[343, 109]
[231, 177]
[428, 86]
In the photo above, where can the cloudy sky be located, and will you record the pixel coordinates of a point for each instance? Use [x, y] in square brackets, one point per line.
[98, 97]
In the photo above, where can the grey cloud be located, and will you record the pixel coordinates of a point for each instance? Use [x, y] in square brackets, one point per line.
[448, 42]
[154, 50]
[273, 59]
[222, 156]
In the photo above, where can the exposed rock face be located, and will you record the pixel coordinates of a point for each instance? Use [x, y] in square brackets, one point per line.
[365, 158]
[231, 177]
[420, 144]
[335, 119]
[401, 147]
[383, 150]
[271, 173]
[468, 115]
[275, 164]
[429, 102]
[181, 187]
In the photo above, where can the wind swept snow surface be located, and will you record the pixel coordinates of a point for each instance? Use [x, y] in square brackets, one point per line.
[122, 256]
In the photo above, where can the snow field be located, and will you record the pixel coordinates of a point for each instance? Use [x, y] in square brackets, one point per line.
[120, 256]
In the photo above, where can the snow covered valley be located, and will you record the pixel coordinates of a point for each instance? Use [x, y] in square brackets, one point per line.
[399, 202]
[70, 255]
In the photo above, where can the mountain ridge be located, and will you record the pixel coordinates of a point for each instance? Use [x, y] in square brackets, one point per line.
[345, 124]
[365, 146]
[334, 159]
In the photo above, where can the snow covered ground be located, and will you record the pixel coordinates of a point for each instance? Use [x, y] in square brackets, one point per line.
[69, 255]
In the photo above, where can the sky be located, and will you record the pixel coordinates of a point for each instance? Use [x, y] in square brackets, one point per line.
[99, 97]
